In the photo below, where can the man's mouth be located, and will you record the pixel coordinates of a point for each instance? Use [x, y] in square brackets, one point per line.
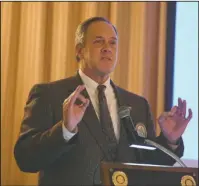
[106, 58]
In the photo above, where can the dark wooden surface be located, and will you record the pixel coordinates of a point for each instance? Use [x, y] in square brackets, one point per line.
[130, 169]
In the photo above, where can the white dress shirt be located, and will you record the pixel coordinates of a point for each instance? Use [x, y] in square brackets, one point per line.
[91, 87]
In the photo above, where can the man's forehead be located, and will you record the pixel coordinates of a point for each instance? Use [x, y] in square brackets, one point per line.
[101, 29]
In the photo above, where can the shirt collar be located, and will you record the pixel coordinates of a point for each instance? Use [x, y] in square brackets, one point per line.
[90, 83]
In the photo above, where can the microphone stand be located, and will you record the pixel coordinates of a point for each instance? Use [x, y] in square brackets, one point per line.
[166, 151]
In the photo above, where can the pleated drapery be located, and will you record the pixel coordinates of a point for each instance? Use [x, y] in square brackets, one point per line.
[37, 45]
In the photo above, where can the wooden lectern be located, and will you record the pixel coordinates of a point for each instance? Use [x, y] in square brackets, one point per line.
[123, 174]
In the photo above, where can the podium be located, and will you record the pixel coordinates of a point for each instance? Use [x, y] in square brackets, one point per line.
[130, 174]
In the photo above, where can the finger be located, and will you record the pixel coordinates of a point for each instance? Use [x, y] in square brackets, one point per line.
[82, 98]
[69, 97]
[173, 111]
[76, 93]
[180, 103]
[190, 115]
[184, 107]
[179, 107]
[66, 104]
[163, 117]
[66, 101]
[85, 105]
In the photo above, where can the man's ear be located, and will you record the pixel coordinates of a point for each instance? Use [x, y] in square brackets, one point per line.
[79, 52]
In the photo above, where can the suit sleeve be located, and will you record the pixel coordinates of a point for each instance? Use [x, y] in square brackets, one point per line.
[40, 141]
[157, 156]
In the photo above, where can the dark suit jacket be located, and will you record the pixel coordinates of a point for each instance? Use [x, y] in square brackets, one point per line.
[41, 146]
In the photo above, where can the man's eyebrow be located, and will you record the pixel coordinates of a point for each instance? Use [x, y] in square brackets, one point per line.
[100, 37]
[115, 38]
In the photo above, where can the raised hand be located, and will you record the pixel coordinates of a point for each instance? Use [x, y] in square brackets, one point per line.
[73, 113]
[174, 123]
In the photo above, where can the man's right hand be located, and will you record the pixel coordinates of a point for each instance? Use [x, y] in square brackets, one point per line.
[73, 113]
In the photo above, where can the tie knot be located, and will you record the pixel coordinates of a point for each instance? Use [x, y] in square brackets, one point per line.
[101, 88]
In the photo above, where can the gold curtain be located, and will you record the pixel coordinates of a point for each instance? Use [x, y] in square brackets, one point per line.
[37, 45]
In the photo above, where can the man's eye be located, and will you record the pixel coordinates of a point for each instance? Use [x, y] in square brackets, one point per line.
[113, 42]
[98, 41]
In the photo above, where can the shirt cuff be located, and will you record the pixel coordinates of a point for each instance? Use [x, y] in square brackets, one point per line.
[172, 146]
[67, 134]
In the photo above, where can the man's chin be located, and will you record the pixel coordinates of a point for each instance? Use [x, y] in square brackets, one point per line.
[104, 72]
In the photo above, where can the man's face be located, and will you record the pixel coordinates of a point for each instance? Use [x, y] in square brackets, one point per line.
[100, 49]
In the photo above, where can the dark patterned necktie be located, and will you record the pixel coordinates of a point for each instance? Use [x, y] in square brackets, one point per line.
[105, 118]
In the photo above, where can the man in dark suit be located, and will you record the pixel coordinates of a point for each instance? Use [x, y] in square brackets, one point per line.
[65, 133]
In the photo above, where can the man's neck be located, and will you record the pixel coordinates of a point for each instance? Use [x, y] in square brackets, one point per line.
[98, 78]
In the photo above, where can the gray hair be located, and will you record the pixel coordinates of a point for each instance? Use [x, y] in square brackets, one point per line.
[82, 28]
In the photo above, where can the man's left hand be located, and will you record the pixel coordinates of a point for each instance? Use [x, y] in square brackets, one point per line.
[174, 122]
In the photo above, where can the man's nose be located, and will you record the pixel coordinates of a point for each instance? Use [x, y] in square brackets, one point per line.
[106, 47]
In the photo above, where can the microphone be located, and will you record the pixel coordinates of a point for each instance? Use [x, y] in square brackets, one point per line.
[124, 114]
[140, 134]
[138, 142]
